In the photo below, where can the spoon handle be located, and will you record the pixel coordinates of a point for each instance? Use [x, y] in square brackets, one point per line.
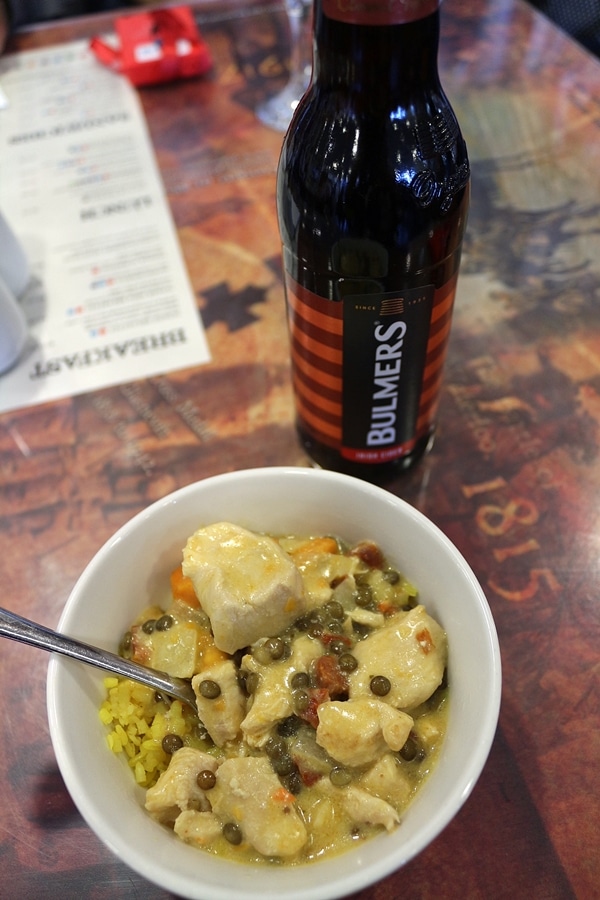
[19, 629]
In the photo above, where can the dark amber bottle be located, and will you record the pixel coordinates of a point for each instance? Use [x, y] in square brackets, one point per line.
[372, 194]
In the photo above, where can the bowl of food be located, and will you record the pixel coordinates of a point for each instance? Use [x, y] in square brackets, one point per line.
[347, 676]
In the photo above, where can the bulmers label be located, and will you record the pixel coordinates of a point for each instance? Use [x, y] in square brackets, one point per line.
[367, 370]
[379, 12]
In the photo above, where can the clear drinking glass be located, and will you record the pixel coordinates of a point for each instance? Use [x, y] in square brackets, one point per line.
[276, 112]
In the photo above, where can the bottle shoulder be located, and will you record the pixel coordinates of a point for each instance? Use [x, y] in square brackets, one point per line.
[339, 145]
[330, 120]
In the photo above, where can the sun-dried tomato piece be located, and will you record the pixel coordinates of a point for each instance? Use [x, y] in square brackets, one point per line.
[370, 553]
[308, 776]
[330, 676]
[316, 696]
[328, 638]
[425, 640]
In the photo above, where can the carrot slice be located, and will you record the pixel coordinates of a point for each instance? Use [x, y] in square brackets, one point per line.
[281, 795]
[182, 588]
[212, 655]
[314, 546]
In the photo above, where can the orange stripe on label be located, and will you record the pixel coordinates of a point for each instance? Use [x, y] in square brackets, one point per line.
[430, 393]
[322, 430]
[438, 340]
[433, 370]
[445, 301]
[320, 376]
[322, 351]
[322, 403]
[322, 320]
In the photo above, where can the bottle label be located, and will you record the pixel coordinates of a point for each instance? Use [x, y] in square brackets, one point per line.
[367, 371]
[379, 12]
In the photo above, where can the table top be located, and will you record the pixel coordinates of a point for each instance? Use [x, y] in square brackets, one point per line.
[513, 478]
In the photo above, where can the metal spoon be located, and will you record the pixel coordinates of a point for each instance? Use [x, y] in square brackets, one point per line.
[19, 629]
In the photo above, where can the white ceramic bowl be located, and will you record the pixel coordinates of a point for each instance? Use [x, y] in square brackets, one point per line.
[126, 571]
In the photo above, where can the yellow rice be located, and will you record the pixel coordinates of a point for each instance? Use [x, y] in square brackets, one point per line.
[138, 722]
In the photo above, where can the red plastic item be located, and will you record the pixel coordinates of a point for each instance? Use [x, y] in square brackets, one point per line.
[155, 46]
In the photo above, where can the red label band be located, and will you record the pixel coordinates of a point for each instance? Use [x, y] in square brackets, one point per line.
[377, 456]
[379, 12]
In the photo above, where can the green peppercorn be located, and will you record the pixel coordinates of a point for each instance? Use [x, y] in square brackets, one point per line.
[300, 680]
[206, 779]
[164, 623]
[301, 700]
[209, 689]
[347, 662]
[276, 747]
[339, 776]
[335, 609]
[293, 782]
[411, 750]
[360, 630]
[380, 685]
[275, 647]
[149, 626]
[288, 726]
[232, 833]
[171, 743]
[364, 596]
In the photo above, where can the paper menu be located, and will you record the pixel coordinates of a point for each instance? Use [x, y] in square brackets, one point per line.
[110, 299]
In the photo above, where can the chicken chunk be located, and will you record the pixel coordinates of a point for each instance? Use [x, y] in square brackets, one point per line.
[357, 732]
[388, 781]
[272, 700]
[221, 715]
[360, 806]
[247, 585]
[429, 730]
[198, 828]
[363, 807]
[320, 570]
[249, 793]
[177, 788]
[367, 617]
[410, 650]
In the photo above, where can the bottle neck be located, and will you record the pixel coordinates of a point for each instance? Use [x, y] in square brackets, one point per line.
[375, 58]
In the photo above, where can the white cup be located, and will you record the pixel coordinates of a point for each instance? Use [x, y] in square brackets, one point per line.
[14, 277]
[14, 268]
[13, 328]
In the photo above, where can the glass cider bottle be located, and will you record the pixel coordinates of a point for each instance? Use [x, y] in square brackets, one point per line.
[372, 197]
